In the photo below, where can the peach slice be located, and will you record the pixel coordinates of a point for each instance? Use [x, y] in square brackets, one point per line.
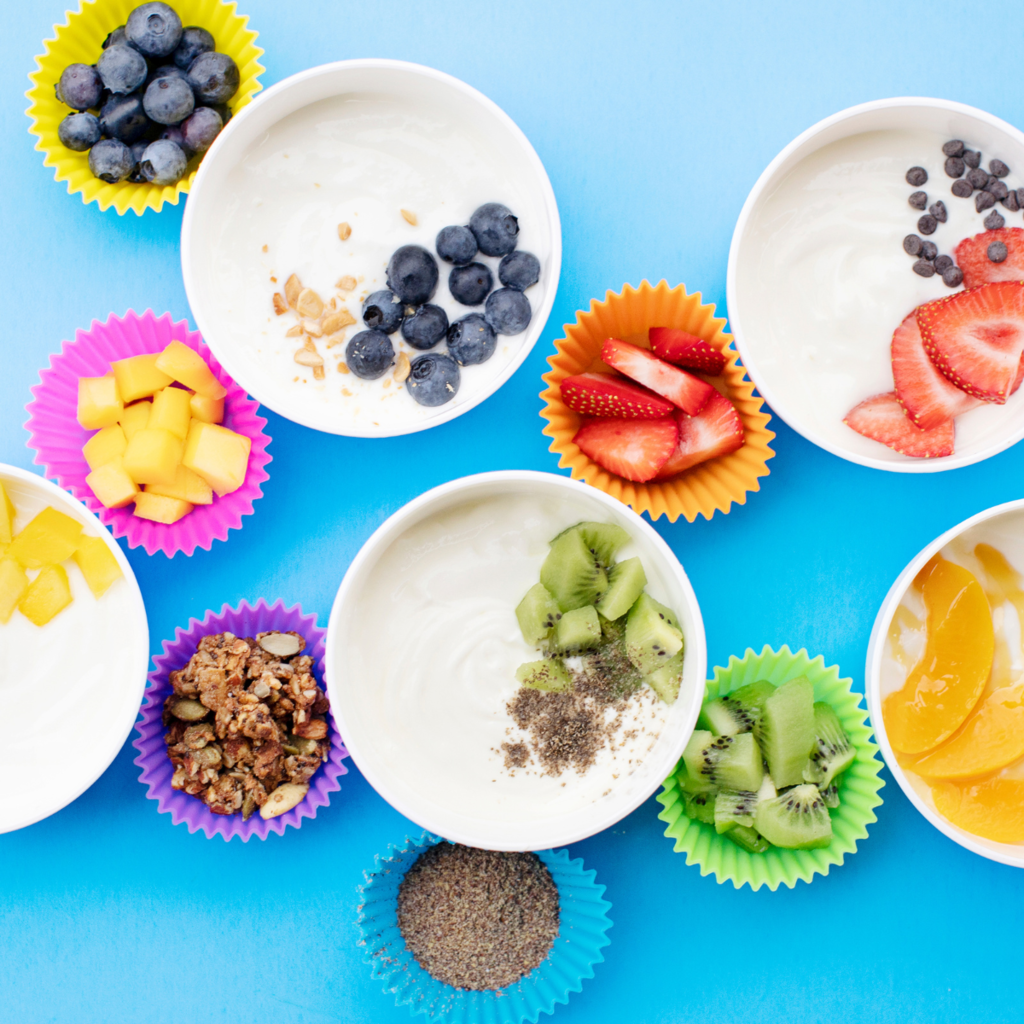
[992, 809]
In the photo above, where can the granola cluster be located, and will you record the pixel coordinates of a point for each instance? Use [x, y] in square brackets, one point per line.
[245, 723]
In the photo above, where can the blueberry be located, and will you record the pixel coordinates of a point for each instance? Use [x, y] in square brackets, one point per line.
[80, 87]
[471, 340]
[122, 68]
[115, 37]
[153, 29]
[369, 354]
[412, 274]
[163, 163]
[433, 379]
[168, 100]
[495, 229]
[918, 200]
[223, 109]
[79, 131]
[214, 78]
[123, 117]
[519, 270]
[508, 311]
[111, 160]
[138, 149]
[167, 71]
[470, 284]
[201, 129]
[455, 244]
[426, 327]
[383, 311]
[194, 41]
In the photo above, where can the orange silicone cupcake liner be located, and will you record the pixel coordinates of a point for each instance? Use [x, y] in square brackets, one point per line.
[702, 490]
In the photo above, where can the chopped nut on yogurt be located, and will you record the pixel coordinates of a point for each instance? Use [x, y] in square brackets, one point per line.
[410, 217]
[344, 231]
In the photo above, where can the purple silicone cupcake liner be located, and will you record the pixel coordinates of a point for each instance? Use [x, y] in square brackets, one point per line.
[246, 620]
[57, 437]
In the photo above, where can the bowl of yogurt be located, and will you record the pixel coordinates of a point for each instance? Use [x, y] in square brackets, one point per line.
[990, 546]
[320, 181]
[818, 279]
[422, 650]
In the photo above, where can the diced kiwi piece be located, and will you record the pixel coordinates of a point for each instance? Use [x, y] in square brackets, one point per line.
[748, 839]
[830, 794]
[626, 582]
[832, 751]
[603, 540]
[731, 762]
[549, 674]
[693, 784]
[795, 820]
[578, 630]
[651, 635]
[786, 731]
[738, 711]
[570, 573]
[665, 680]
[734, 808]
[537, 614]
[700, 807]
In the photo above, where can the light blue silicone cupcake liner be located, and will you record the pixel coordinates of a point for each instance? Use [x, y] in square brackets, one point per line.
[582, 933]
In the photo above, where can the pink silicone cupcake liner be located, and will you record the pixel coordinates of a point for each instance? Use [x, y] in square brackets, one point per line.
[57, 437]
[245, 620]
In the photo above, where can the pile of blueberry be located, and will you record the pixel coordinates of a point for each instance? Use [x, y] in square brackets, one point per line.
[156, 97]
[493, 230]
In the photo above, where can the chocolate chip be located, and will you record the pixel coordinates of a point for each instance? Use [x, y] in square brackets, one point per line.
[953, 277]
[962, 188]
[977, 177]
[917, 176]
[912, 245]
[997, 188]
[918, 200]
[1020, 198]
[924, 268]
[929, 250]
[938, 211]
[927, 224]
[998, 168]
[942, 264]
[954, 166]
[994, 221]
[996, 252]
[953, 148]
[1012, 200]
[984, 201]
[971, 157]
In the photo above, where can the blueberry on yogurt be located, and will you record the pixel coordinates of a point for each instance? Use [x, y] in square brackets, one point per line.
[508, 311]
[433, 379]
[383, 311]
[521, 270]
[124, 118]
[194, 41]
[122, 69]
[471, 340]
[111, 160]
[495, 228]
[214, 78]
[79, 131]
[168, 100]
[456, 244]
[154, 29]
[80, 87]
[470, 284]
[369, 354]
[201, 128]
[412, 274]
[426, 327]
[163, 163]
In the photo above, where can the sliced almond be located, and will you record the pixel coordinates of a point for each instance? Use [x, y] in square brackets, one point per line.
[309, 303]
[332, 305]
[343, 368]
[264, 248]
[292, 289]
[293, 332]
[306, 358]
[346, 283]
[280, 303]
[334, 322]
[336, 339]
[410, 217]
[344, 231]
[402, 367]
[313, 328]
[318, 373]
[280, 645]
[387, 383]
[345, 391]
[284, 798]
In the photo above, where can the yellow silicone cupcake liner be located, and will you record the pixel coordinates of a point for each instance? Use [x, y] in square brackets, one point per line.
[80, 40]
[710, 486]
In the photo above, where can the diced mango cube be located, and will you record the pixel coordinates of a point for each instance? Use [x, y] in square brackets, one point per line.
[48, 539]
[209, 410]
[189, 368]
[152, 456]
[135, 417]
[139, 376]
[7, 514]
[13, 583]
[171, 411]
[112, 485]
[98, 564]
[161, 509]
[99, 402]
[218, 455]
[48, 594]
[187, 486]
[104, 446]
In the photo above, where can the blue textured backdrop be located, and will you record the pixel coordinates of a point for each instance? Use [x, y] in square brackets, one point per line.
[654, 120]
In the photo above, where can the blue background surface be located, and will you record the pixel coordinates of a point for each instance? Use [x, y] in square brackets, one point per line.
[653, 120]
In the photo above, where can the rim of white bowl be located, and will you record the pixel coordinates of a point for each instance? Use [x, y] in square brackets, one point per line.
[390, 529]
[1005, 853]
[780, 406]
[253, 108]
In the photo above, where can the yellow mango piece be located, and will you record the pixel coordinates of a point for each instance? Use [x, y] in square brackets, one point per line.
[13, 583]
[189, 368]
[188, 486]
[992, 809]
[99, 402]
[139, 377]
[104, 446]
[112, 485]
[50, 538]
[209, 410]
[218, 455]
[171, 411]
[98, 564]
[152, 456]
[161, 509]
[7, 514]
[135, 418]
[48, 594]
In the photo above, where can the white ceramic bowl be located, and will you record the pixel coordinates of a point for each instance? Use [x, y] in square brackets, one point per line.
[70, 689]
[1003, 527]
[370, 107]
[784, 380]
[437, 800]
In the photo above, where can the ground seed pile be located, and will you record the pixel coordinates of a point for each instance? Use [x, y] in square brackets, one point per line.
[476, 919]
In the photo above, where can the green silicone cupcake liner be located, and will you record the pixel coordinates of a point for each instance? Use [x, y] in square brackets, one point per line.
[858, 785]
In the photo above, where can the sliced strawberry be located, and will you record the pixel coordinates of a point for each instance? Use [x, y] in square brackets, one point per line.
[928, 398]
[976, 338]
[1019, 379]
[679, 387]
[602, 394]
[972, 257]
[882, 419]
[634, 449]
[716, 430]
[687, 350]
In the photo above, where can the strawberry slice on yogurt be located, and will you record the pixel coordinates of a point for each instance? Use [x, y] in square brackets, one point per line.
[882, 418]
[992, 256]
